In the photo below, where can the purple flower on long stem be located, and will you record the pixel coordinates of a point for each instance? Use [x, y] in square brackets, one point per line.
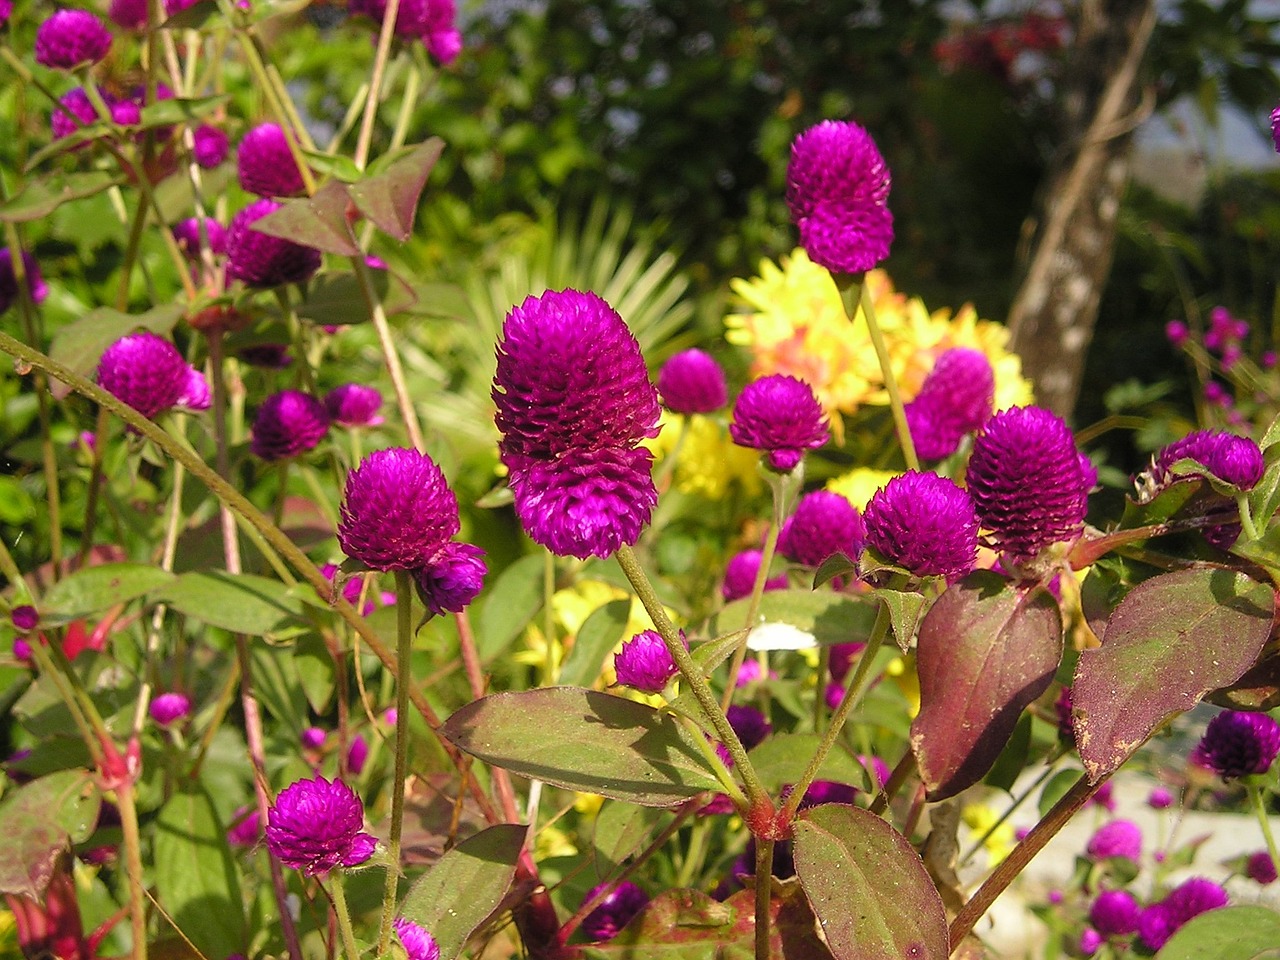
[1237, 744]
[287, 424]
[316, 825]
[259, 260]
[779, 416]
[823, 523]
[644, 662]
[148, 373]
[740, 576]
[955, 400]
[71, 38]
[1119, 838]
[692, 382]
[397, 511]
[209, 146]
[354, 405]
[168, 707]
[1115, 913]
[265, 164]
[924, 523]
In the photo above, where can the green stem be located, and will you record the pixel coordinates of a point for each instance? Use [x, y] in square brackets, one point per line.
[339, 897]
[1246, 517]
[764, 892]
[550, 668]
[66, 690]
[133, 868]
[95, 486]
[697, 852]
[385, 36]
[1260, 808]
[394, 368]
[404, 649]
[1009, 811]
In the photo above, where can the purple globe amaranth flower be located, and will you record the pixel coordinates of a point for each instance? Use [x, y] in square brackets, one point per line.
[188, 234]
[1119, 838]
[740, 576]
[431, 21]
[259, 260]
[1275, 128]
[126, 113]
[1177, 332]
[316, 825]
[313, 737]
[9, 280]
[452, 578]
[1162, 920]
[840, 658]
[74, 110]
[129, 14]
[210, 146]
[397, 511]
[265, 165]
[751, 726]
[1233, 459]
[955, 399]
[1160, 798]
[417, 943]
[925, 523]
[644, 662]
[1237, 744]
[827, 791]
[1026, 481]
[1115, 913]
[692, 382]
[779, 416]
[24, 617]
[1260, 868]
[615, 911]
[749, 673]
[148, 373]
[357, 755]
[70, 38]
[288, 423]
[168, 707]
[246, 827]
[354, 405]
[823, 523]
[838, 193]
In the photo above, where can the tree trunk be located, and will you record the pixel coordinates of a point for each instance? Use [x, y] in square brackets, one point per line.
[1056, 307]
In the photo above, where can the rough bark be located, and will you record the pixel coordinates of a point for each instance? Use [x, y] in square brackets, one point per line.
[1056, 307]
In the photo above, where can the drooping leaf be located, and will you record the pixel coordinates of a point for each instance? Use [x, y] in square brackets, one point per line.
[585, 740]
[197, 878]
[783, 758]
[92, 590]
[38, 821]
[986, 650]
[337, 299]
[455, 896]
[1057, 788]
[868, 887]
[390, 196]
[322, 220]
[39, 198]
[830, 617]
[1258, 689]
[1008, 767]
[598, 635]
[79, 345]
[1171, 640]
[1232, 933]
[514, 599]
[242, 602]
[191, 18]
[333, 165]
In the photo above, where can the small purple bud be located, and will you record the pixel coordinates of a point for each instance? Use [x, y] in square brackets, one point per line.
[615, 911]
[313, 738]
[25, 617]
[169, 707]
[644, 662]
[692, 382]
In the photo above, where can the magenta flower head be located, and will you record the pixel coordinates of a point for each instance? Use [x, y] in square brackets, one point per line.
[1233, 459]
[452, 578]
[1160, 798]
[417, 943]
[397, 511]
[1260, 868]
[246, 827]
[129, 14]
[262, 261]
[956, 399]
[24, 617]
[615, 911]
[1237, 744]
[779, 416]
[1275, 128]
[74, 110]
[740, 576]
[168, 707]
[316, 825]
[210, 146]
[313, 737]
[751, 726]
[70, 38]
[644, 662]
[573, 402]
[838, 193]
[925, 523]
[357, 755]
[1162, 920]
[9, 280]
[265, 165]
[1026, 481]
[1119, 838]
[692, 382]
[148, 373]
[1115, 913]
[823, 523]
[354, 405]
[287, 424]
[188, 234]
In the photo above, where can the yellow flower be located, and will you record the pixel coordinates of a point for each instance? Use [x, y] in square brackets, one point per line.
[980, 818]
[553, 842]
[858, 485]
[588, 803]
[707, 459]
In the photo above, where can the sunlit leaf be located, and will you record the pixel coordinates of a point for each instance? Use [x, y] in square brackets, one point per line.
[93, 590]
[38, 821]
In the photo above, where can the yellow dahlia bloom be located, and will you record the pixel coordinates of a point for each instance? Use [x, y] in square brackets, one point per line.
[707, 461]
[859, 484]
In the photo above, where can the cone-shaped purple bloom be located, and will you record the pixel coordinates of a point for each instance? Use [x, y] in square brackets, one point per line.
[1119, 838]
[823, 523]
[1237, 744]
[148, 373]
[9, 280]
[354, 405]
[1026, 481]
[692, 382]
[956, 399]
[1233, 459]
[925, 523]
[70, 38]
[397, 511]
[74, 110]
[288, 423]
[316, 825]
[417, 943]
[265, 165]
[838, 193]
[187, 233]
[452, 578]
[615, 911]
[645, 663]
[209, 146]
[168, 707]
[262, 261]
[779, 416]
[1115, 913]
[1162, 920]
[740, 576]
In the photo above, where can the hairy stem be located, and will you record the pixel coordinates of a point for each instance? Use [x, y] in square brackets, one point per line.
[764, 891]
[339, 897]
[404, 647]
[133, 868]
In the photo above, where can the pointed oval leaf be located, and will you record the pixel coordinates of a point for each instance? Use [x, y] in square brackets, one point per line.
[39, 198]
[620, 829]
[512, 602]
[322, 221]
[784, 757]
[38, 821]
[868, 886]
[93, 590]
[390, 197]
[906, 607]
[986, 650]
[1232, 933]
[585, 740]
[241, 603]
[831, 617]
[453, 898]
[1171, 640]
[598, 635]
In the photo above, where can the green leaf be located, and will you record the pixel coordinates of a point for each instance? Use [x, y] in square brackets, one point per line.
[714, 652]
[1008, 767]
[41, 197]
[79, 345]
[316, 671]
[337, 299]
[175, 110]
[514, 600]
[95, 589]
[1231, 933]
[783, 758]
[193, 17]
[17, 506]
[868, 887]
[836, 565]
[465, 886]
[619, 831]
[322, 221]
[585, 740]
[390, 196]
[598, 635]
[1056, 789]
[830, 617]
[1264, 498]
[905, 610]
[331, 165]
[241, 603]
[38, 821]
[1171, 640]
[987, 649]
[197, 879]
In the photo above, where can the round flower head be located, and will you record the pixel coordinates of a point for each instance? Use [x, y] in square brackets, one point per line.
[955, 399]
[1238, 744]
[417, 943]
[145, 371]
[1115, 913]
[925, 523]
[1160, 798]
[265, 165]
[188, 234]
[1233, 459]
[354, 405]
[779, 416]
[9, 280]
[692, 382]
[209, 146]
[246, 827]
[751, 726]
[1090, 941]
[452, 579]
[24, 617]
[126, 113]
[1026, 481]
[615, 911]
[287, 424]
[838, 193]
[827, 791]
[1119, 838]
[823, 523]
[129, 14]
[74, 110]
[740, 576]
[315, 825]
[262, 261]
[313, 738]
[644, 662]
[1275, 128]
[1260, 868]
[397, 511]
[168, 707]
[357, 754]
[1162, 920]
[70, 38]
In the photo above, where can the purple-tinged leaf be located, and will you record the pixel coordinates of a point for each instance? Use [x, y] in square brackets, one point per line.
[337, 298]
[390, 196]
[322, 221]
[868, 887]
[1258, 689]
[38, 821]
[588, 741]
[987, 648]
[1174, 638]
